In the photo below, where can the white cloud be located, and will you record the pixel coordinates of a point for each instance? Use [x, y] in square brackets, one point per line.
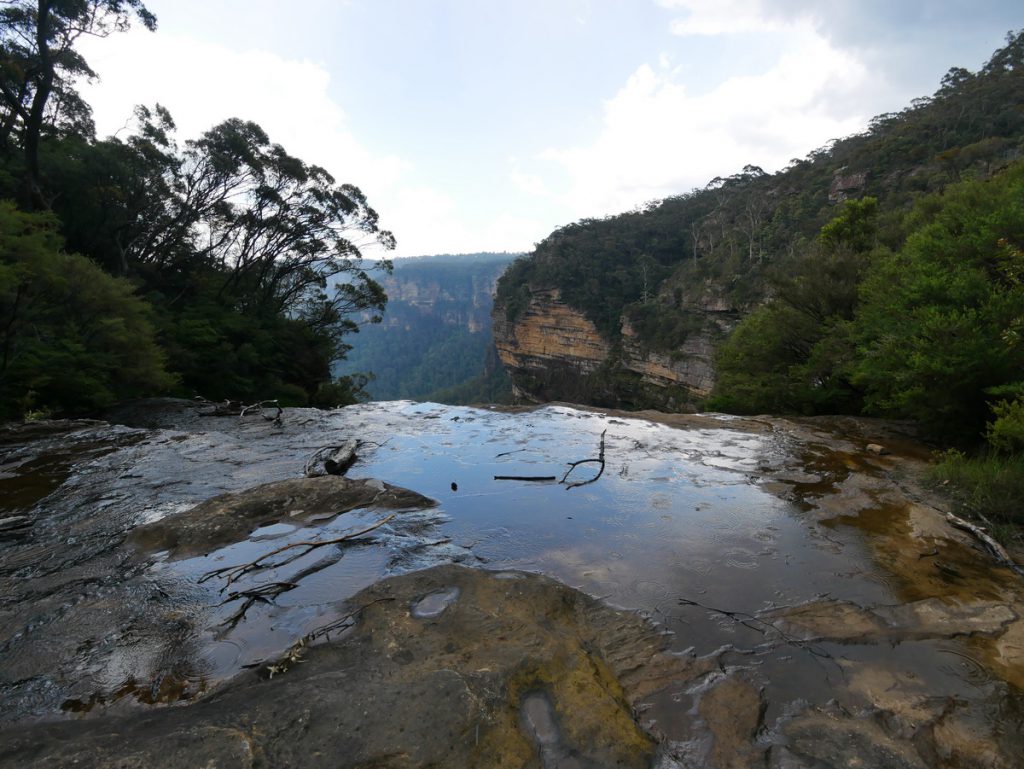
[659, 139]
[719, 17]
[202, 84]
[531, 184]
[435, 223]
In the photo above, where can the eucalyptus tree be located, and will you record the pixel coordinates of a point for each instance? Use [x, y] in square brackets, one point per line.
[39, 65]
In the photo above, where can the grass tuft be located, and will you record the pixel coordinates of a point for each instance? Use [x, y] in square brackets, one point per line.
[987, 487]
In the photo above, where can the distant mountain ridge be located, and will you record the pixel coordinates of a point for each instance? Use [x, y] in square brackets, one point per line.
[435, 339]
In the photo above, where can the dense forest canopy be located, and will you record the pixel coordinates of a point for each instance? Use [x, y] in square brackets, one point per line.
[233, 269]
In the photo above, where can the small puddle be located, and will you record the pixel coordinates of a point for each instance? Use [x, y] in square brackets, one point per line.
[539, 723]
[434, 604]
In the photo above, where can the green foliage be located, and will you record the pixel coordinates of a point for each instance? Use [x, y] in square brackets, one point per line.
[759, 367]
[935, 317]
[248, 257]
[927, 331]
[793, 354]
[987, 485]
[492, 386]
[342, 391]
[73, 338]
[855, 228]
[38, 70]
[1006, 432]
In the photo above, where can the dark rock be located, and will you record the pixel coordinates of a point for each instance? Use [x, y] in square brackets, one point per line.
[231, 518]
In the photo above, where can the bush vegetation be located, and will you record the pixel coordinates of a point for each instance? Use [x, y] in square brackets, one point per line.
[221, 267]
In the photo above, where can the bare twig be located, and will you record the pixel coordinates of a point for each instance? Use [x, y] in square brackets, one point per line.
[230, 408]
[745, 619]
[340, 623]
[573, 465]
[263, 594]
[297, 650]
[526, 477]
[258, 408]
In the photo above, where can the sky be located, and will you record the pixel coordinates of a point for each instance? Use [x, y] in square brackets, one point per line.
[482, 125]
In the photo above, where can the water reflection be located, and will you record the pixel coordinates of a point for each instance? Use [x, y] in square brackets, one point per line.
[693, 514]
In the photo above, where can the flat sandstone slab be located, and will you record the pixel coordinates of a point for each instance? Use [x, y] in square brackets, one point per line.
[445, 689]
[230, 518]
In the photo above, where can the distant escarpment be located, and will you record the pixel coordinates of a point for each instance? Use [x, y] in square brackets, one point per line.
[554, 351]
[631, 310]
[434, 341]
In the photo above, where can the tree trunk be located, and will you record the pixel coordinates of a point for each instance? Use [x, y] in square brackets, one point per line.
[34, 124]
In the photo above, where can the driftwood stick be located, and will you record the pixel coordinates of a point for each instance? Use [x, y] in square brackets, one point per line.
[262, 594]
[332, 460]
[997, 550]
[232, 573]
[297, 650]
[599, 460]
[258, 408]
[341, 623]
[526, 477]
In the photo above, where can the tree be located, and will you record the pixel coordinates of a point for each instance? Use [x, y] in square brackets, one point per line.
[71, 336]
[234, 241]
[936, 325]
[793, 353]
[38, 61]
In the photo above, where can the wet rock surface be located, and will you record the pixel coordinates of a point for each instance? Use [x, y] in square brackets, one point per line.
[730, 593]
[399, 690]
[232, 517]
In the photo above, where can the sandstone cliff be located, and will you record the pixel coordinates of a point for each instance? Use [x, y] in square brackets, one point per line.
[553, 352]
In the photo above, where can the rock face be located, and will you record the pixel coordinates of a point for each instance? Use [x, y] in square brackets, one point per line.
[508, 668]
[461, 300]
[550, 346]
[553, 352]
[844, 186]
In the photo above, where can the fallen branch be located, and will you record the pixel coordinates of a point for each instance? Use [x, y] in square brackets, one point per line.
[997, 550]
[230, 408]
[745, 619]
[297, 650]
[341, 623]
[262, 594]
[331, 460]
[526, 477]
[232, 573]
[258, 408]
[225, 408]
[573, 465]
